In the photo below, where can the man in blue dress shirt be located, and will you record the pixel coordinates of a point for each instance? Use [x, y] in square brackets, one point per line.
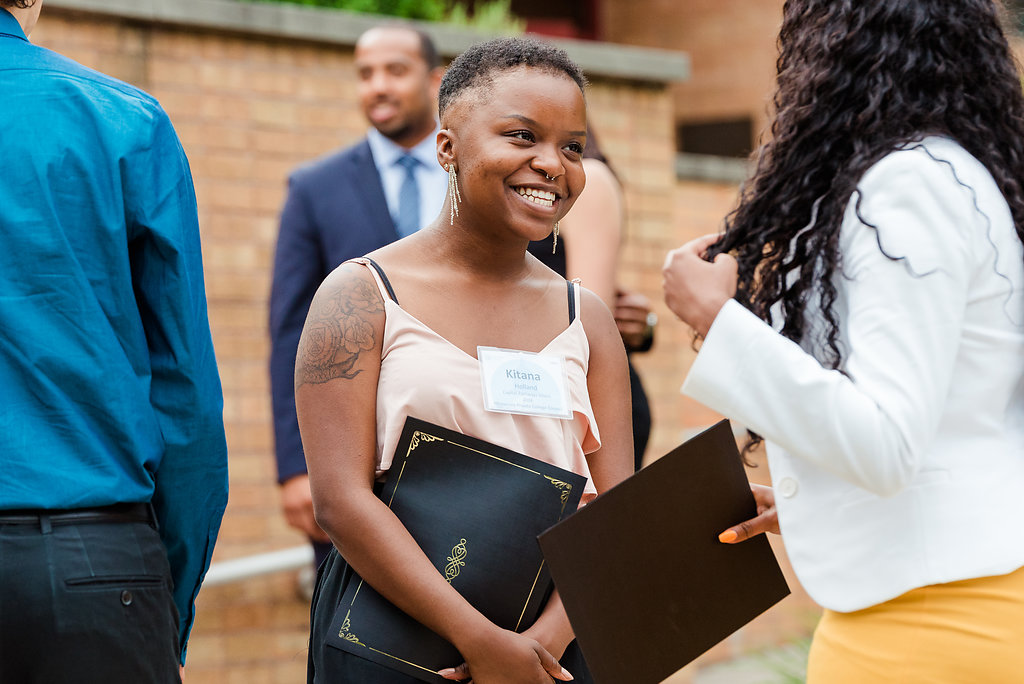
[113, 464]
[344, 205]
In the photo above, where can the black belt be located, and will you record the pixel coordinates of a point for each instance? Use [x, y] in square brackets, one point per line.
[118, 513]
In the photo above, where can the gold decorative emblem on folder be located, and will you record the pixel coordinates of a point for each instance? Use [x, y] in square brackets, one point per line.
[456, 561]
[417, 436]
[346, 635]
[564, 486]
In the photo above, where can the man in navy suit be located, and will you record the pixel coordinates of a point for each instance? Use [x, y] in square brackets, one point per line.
[345, 205]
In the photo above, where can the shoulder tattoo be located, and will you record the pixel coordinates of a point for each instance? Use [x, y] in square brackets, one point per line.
[338, 329]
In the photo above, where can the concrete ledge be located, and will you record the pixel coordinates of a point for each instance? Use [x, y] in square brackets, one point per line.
[713, 169]
[297, 22]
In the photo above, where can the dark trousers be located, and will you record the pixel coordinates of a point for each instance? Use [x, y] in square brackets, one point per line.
[641, 418]
[320, 551]
[329, 665]
[84, 601]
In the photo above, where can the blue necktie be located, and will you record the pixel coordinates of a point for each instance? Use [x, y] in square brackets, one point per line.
[408, 219]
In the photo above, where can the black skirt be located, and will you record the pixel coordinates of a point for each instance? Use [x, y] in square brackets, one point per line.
[329, 665]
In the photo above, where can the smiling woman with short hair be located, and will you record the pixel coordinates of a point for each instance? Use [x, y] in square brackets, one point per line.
[513, 120]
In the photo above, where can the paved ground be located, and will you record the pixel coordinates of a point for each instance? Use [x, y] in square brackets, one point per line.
[747, 671]
[783, 665]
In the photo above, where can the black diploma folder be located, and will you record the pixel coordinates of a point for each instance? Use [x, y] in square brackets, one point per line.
[476, 510]
[646, 583]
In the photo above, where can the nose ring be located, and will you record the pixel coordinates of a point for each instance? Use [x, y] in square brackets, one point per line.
[550, 178]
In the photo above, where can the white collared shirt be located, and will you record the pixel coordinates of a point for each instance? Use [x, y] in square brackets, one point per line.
[905, 469]
[431, 178]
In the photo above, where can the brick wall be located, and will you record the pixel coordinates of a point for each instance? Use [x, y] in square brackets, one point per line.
[248, 109]
[731, 44]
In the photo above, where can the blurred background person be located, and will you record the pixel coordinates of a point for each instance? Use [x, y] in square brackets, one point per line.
[587, 247]
[347, 204]
[864, 312]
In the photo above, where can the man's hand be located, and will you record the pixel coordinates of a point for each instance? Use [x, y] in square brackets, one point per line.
[297, 504]
[634, 319]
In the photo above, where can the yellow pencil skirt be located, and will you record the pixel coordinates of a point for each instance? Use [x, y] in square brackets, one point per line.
[968, 632]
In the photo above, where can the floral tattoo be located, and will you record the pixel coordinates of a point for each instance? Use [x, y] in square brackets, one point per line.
[337, 331]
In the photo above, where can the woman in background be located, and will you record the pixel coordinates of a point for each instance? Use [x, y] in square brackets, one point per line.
[587, 248]
[864, 312]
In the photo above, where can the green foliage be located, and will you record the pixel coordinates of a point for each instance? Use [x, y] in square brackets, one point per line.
[491, 16]
[789, 663]
[1015, 15]
[428, 10]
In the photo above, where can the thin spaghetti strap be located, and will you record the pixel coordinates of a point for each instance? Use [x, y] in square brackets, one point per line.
[571, 286]
[383, 284]
[383, 278]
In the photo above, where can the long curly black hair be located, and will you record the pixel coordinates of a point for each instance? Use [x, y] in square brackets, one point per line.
[856, 80]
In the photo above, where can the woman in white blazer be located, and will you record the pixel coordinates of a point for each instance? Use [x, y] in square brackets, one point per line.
[863, 312]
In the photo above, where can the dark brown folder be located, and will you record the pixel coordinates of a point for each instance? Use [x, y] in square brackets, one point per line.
[646, 583]
[475, 509]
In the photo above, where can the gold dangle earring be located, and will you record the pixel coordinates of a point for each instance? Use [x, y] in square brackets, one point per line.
[554, 245]
[453, 192]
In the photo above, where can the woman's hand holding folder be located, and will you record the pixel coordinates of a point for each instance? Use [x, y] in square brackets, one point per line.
[767, 519]
[503, 658]
[548, 637]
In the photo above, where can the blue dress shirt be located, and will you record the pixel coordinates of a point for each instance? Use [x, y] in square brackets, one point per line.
[431, 178]
[109, 385]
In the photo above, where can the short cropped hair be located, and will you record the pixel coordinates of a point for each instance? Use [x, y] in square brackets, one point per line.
[428, 50]
[479, 64]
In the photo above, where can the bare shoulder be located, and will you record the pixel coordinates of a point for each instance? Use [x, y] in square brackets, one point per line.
[344, 323]
[597, 319]
[597, 213]
[600, 177]
[607, 369]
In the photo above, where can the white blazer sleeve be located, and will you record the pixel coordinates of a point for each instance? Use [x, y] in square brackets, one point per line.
[871, 425]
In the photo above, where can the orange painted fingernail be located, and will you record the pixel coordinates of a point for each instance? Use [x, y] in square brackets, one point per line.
[728, 537]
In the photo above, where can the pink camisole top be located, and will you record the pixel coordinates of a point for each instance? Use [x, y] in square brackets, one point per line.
[425, 376]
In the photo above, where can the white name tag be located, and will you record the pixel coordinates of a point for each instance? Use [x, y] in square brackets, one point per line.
[524, 382]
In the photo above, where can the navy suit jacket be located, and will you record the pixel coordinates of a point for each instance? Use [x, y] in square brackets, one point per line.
[335, 211]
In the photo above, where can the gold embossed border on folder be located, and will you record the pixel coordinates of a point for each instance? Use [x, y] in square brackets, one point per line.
[460, 549]
[564, 487]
